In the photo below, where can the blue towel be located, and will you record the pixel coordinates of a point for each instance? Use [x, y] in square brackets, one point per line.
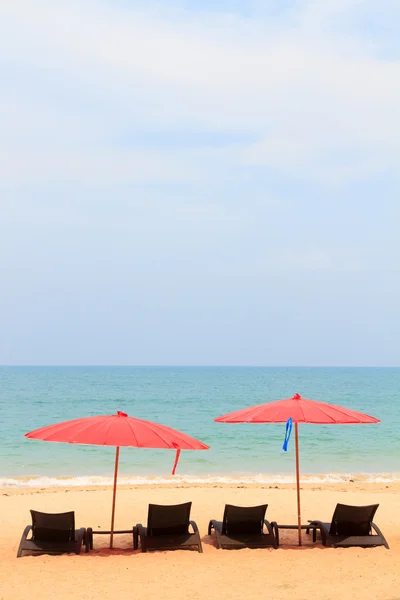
[289, 425]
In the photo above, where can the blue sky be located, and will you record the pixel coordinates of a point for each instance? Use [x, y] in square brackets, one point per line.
[200, 183]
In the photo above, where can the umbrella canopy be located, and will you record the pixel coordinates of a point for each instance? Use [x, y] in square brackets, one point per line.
[117, 430]
[300, 410]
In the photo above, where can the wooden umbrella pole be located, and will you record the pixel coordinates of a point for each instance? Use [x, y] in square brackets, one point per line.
[296, 429]
[114, 495]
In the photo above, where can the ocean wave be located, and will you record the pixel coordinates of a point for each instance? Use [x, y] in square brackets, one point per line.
[231, 479]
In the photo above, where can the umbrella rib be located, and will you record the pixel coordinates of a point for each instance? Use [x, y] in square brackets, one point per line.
[183, 437]
[148, 424]
[108, 429]
[259, 409]
[302, 411]
[333, 422]
[178, 434]
[339, 409]
[66, 426]
[56, 428]
[85, 427]
[132, 430]
[151, 425]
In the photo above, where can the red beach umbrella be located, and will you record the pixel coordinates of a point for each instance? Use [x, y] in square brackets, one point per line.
[300, 410]
[118, 430]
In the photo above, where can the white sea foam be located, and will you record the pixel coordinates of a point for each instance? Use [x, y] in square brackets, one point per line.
[232, 479]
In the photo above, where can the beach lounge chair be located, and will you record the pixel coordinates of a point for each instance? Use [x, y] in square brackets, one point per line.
[243, 527]
[52, 534]
[168, 529]
[351, 526]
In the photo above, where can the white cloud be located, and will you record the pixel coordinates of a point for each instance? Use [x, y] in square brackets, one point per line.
[92, 164]
[319, 100]
[310, 258]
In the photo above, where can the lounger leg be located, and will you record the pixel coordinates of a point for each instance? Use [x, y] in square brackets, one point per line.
[135, 538]
[19, 553]
[89, 539]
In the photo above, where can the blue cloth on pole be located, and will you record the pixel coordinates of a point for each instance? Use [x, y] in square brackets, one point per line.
[289, 425]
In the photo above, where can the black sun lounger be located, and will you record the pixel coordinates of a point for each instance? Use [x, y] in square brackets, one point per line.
[52, 534]
[351, 526]
[168, 528]
[243, 527]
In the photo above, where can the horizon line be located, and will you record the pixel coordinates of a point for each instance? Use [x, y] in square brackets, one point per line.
[204, 366]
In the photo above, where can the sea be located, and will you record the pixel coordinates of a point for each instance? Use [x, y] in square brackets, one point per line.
[189, 399]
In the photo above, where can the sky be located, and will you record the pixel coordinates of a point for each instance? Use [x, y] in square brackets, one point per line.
[200, 183]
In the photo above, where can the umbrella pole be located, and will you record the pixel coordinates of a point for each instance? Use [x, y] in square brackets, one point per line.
[114, 495]
[296, 430]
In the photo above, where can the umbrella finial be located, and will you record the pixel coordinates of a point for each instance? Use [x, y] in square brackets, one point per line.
[121, 414]
[296, 397]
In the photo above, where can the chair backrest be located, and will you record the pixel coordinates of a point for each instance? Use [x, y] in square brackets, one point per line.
[243, 519]
[59, 527]
[352, 520]
[168, 519]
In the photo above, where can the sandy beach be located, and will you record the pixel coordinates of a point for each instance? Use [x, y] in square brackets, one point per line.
[289, 572]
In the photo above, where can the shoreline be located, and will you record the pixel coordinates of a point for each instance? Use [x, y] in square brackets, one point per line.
[198, 480]
[346, 487]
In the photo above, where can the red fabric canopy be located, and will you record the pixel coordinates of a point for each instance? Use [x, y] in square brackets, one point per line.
[300, 410]
[117, 430]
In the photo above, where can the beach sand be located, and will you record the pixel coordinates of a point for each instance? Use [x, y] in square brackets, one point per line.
[289, 572]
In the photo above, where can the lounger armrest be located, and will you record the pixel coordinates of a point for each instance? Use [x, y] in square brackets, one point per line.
[275, 529]
[268, 525]
[271, 532]
[379, 532]
[27, 529]
[323, 527]
[320, 524]
[194, 526]
[211, 526]
[24, 536]
[376, 529]
[141, 536]
[80, 539]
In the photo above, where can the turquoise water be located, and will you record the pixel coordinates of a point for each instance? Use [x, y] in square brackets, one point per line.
[189, 399]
